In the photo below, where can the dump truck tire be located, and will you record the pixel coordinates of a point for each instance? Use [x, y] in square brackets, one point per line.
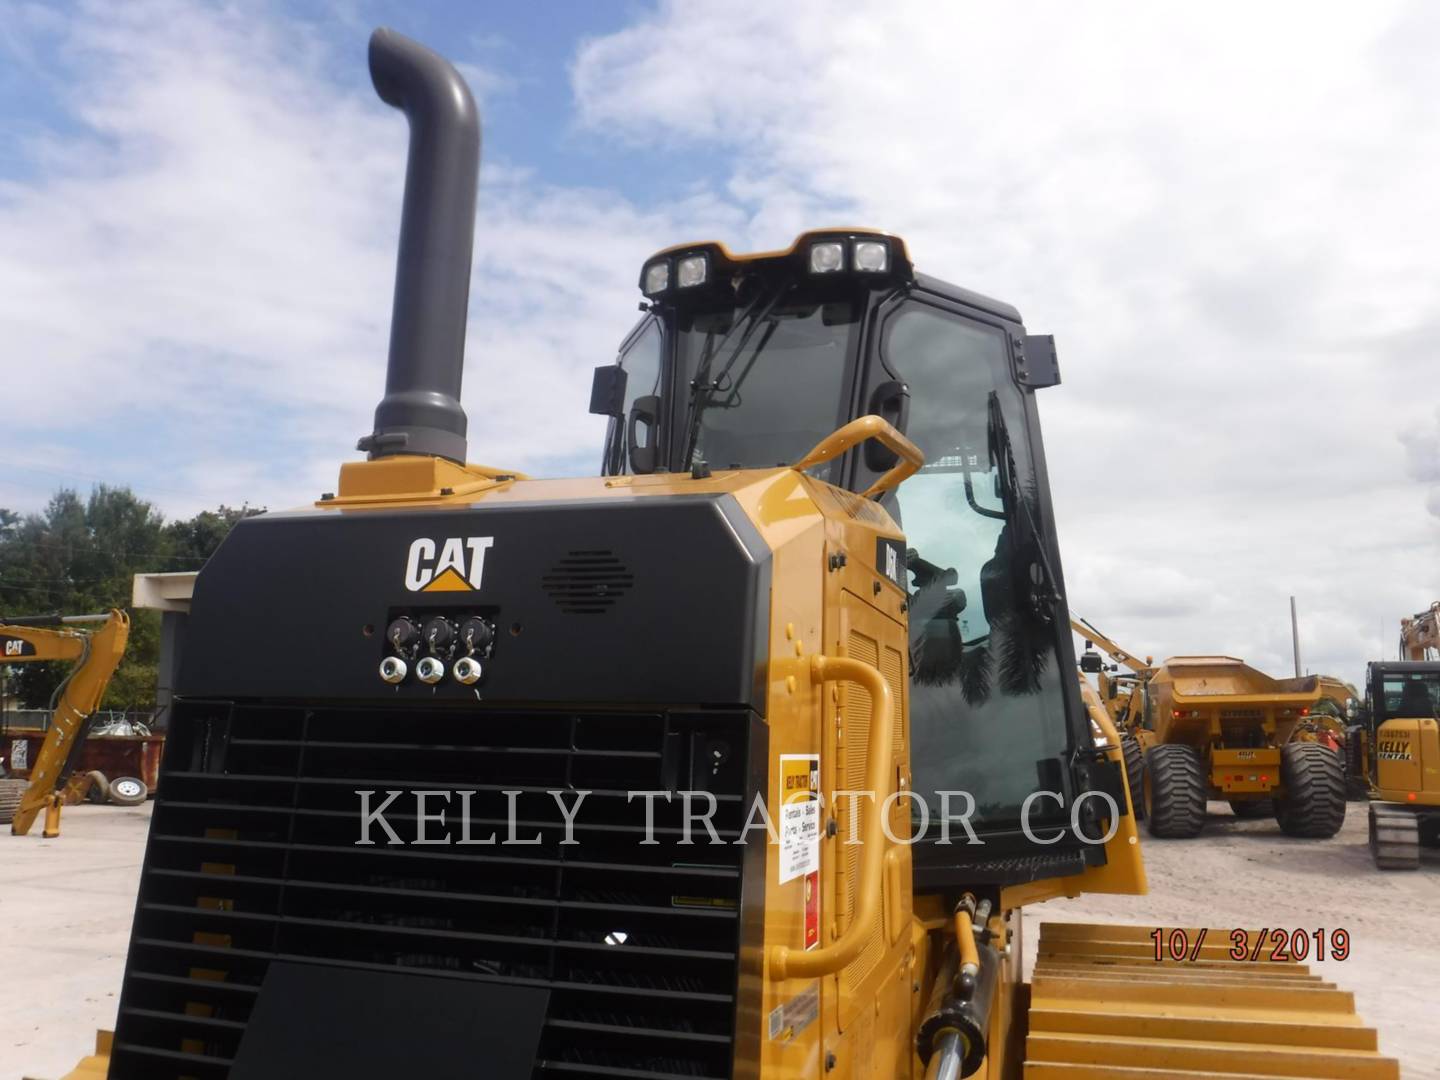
[128, 791]
[1174, 792]
[1251, 808]
[1314, 804]
[11, 791]
[1134, 773]
[1394, 838]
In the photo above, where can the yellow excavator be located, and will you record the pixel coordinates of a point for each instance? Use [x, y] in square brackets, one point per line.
[95, 655]
[739, 760]
[1402, 716]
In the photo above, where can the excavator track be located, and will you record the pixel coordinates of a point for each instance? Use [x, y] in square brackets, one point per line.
[11, 792]
[1102, 1007]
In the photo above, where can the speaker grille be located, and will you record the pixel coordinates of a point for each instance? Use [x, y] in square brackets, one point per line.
[587, 582]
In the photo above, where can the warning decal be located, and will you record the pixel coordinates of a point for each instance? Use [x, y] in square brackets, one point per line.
[799, 816]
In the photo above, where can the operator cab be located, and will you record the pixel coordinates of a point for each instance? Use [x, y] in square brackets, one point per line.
[750, 361]
[1403, 690]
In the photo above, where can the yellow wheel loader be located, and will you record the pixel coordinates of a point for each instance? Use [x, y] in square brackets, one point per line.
[739, 760]
[52, 778]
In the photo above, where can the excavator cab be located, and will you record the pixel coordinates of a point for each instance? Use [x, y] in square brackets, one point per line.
[745, 362]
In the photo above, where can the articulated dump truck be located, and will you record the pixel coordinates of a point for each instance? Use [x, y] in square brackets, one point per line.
[1219, 729]
[740, 760]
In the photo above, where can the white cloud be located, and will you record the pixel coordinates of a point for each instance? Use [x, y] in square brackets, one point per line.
[205, 251]
[1223, 228]
[1218, 210]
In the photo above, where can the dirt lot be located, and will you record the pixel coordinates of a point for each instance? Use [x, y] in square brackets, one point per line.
[65, 908]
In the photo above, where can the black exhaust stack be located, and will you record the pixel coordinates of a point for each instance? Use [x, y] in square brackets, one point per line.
[420, 412]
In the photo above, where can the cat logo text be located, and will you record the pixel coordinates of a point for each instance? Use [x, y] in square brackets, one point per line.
[451, 564]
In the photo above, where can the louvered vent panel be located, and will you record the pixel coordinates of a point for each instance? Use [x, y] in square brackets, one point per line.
[253, 858]
[892, 666]
[587, 582]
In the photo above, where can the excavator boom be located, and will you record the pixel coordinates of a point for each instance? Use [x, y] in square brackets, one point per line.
[96, 655]
[1420, 635]
[1143, 668]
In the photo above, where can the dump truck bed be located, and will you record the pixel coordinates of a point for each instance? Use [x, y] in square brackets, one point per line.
[1198, 699]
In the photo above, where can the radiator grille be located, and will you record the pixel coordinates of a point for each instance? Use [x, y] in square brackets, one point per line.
[587, 582]
[252, 858]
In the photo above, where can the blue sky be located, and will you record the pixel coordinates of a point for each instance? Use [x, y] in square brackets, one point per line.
[199, 203]
[520, 67]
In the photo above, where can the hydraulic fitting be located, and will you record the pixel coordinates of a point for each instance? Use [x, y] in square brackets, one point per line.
[429, 670]
[467, 671]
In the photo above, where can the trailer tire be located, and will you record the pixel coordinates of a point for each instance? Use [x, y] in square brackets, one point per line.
[1134, 773]
[1251, 808]
[1174, 785]
[99, 790]
[1314, 778]
[11, 792]
[128, 791]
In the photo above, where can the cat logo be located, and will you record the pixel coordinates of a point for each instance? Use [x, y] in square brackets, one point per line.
[457, 567]
[890, 560]
[12, 646]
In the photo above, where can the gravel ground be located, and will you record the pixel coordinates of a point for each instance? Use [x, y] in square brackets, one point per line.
[1246, 874]
[66, 905]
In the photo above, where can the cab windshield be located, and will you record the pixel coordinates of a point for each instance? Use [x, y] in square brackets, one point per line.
[766, 380]
[1410, 695]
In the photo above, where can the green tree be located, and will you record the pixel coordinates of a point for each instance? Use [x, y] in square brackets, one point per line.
[79, 556]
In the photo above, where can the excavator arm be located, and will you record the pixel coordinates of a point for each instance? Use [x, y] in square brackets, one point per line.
[1420, 635]
[96, 654]
[1143, 668]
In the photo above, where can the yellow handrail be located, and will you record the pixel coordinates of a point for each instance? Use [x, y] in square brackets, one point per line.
[858, 431]
[787, 963]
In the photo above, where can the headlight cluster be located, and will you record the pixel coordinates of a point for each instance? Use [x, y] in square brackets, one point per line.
[696, 270]
[688, 271]
[865, 256]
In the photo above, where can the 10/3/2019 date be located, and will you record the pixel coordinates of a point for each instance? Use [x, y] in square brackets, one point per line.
[1280, 945]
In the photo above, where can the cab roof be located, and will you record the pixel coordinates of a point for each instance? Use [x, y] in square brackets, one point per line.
[903, 268]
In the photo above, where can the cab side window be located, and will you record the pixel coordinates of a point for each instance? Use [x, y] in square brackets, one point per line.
[641, 363]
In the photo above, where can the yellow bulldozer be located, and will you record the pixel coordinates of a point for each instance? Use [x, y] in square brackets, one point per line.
[52, 779]
[739, 760]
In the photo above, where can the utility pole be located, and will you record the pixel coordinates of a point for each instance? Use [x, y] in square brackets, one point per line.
[1295, 636]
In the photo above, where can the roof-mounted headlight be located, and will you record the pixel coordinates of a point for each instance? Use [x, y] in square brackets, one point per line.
[657, 277]
[872, 256]
[827, 256]
[692, 270]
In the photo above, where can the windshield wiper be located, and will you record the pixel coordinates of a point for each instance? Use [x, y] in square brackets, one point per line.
[1044, 596]
[702, 386]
